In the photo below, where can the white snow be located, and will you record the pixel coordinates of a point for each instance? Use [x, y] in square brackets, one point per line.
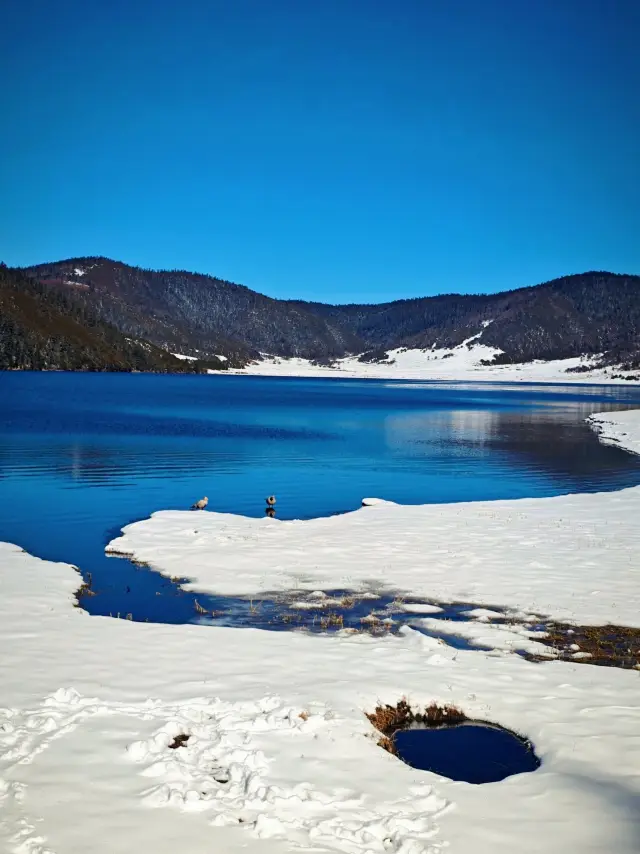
[501, 637]
[195, 359]
[280, 755]
[459, 363]
[482, 614]
[573, 557]
[618, 428]
[82, 271]
[421, 608]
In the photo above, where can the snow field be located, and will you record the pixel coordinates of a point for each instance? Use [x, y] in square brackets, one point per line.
[461, 363]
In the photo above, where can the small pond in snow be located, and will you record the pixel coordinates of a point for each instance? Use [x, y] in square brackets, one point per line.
[471, 751]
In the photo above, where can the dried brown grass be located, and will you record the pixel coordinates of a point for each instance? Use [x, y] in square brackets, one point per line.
[86, 588]
[607, 646]
[388, 720]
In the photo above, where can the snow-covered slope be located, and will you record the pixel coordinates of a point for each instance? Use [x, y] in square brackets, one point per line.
[281, 757]
[459, 363]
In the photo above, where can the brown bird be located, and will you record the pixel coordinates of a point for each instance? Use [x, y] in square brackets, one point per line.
[200, 505]
[271, 501]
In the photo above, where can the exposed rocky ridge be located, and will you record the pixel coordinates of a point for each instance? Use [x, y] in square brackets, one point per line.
[194, 314]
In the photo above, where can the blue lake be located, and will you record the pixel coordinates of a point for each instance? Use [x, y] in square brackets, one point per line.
[81, 455]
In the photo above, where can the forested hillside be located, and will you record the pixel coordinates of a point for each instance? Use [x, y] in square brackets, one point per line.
[194, 314]
[46, 329]
[595, 312]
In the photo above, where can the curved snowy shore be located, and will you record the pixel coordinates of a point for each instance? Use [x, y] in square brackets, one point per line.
[571, 557]
[618, 428]
[281, 756]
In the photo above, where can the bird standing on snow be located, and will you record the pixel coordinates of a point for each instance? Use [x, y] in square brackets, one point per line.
[200, 505]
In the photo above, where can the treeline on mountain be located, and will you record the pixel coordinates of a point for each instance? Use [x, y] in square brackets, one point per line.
[576, 315]
[583, 314]
[203, 316]
[194, 314]
[46, 329]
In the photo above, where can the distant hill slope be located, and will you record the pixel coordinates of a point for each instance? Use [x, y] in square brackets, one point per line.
[195, 314]
[589, 313]
[596, 312]
[45, 329]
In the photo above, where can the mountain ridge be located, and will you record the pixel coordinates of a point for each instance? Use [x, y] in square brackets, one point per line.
[590, 313]
[41, 329]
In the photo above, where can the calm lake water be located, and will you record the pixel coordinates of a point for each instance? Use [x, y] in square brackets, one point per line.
[81, 455]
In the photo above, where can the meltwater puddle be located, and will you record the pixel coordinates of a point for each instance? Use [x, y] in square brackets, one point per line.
[136, 592]
[123, 589]
[142, 595]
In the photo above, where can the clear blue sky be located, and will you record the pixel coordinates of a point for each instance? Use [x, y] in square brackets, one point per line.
[329, 149]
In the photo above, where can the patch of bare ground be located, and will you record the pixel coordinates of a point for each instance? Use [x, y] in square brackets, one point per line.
[86, 588]
[388, 720]
[607, 646]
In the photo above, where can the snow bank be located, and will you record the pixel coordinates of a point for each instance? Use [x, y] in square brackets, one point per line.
[573, 558]
[618, 428]
[280, 755]
[498, 637]
[458, 363]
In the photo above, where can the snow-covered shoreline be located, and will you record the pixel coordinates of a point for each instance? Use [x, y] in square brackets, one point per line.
[618, 428]
[457, 364]
[565, 548]
[281, 755]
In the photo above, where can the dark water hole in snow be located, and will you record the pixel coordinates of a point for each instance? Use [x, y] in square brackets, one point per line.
[471, 751]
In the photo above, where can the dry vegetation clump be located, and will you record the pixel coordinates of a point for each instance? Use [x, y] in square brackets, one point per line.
[332, 620]
[608, 646]
[86, 588]
[390, 719]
